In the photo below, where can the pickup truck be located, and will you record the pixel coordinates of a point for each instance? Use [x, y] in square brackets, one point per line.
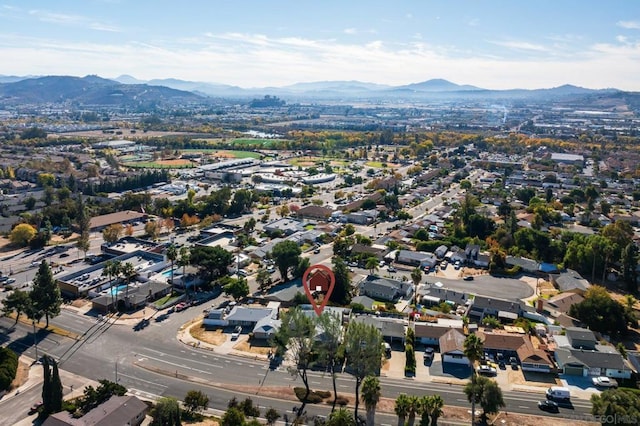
[604, 382]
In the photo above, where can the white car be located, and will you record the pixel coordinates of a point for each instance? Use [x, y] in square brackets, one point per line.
[236, 333]
[604, 382]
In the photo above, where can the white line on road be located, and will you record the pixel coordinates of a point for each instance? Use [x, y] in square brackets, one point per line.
[522, 406]
[142, 380]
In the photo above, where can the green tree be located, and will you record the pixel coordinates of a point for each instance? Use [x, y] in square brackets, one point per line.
[195, 401]
[45, 294]
[211, 261]
[617, 406]
[601, 313]
[263, 278]
[416, 277]
[128, 272]
[629, 267]
[371, 396]
[51, 387]
[112, 233]
[431, 409]
[340, 417]
[330, 346]
[295, 337]
[372, 265]
[473, 350]
[272, 416]
[414, 408]
[286, 255]
[112, 270]
[236, 288]
[401, 409]
[93, 397]
[183, 261]
[233, 417]
[487, 393]
[18, 301]
[22, 233]
[363, 349]
[172, 255]
[341, 294]
[8, 368]
[166, 412]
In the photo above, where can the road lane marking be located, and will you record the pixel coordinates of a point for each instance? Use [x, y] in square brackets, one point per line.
[142, 380]
[523, 406]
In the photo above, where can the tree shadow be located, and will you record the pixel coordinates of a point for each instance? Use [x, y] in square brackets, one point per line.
[20, 345]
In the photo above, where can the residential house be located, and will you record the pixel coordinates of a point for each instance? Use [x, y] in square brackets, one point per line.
[570, 281]
[248, 317]
[430, 334]
[314, 212]
[392, 329]
[266, 327]
[417, 258]
[536, 360]
[285, 226]
[385, 289]
[581, 338]
[117, 410]
[498, 308]
[452, 347]
[215, 318]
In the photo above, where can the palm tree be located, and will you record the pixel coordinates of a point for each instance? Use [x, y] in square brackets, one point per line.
[184, 260]
[414, 408]
[473, 349]
[128, 271]
[372, 265]
[431, 406]
[112, 269]
[370, 397]
[172, 255]
[416, 277]
[402, 408]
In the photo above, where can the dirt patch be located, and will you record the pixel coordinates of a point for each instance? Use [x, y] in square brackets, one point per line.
[204, 422]
[254, 346]
[387, 405]
[59, 239]
[223, 154]
[174, 162]
[212, 337]
[22, 374]
[79, 303]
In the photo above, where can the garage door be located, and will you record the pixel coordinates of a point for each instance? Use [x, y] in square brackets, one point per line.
[573, 371]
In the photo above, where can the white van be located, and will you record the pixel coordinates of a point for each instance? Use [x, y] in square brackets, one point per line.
[558, 393]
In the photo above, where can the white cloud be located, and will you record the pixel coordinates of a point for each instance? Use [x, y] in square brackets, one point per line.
[521, 45]
[258, 60]
[350, 31]
[72, 20]
[473, 22]
[630, 25]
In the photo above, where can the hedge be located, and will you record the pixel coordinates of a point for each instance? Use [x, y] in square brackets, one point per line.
[8, 367]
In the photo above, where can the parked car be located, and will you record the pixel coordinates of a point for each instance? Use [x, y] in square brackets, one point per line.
[428, 354]
[486, 370]
[468, 278]
[10, 281]
[181, 306]
[549, 406]
[316, 251]
[4, 279]
[604, 382]
[35, 407]
[236, 333]
[514, 363]
[392, 269]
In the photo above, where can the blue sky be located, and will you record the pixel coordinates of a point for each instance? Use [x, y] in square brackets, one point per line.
[494, 44]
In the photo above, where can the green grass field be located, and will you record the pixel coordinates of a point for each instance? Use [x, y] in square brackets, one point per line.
[375, 164]
[153, 165]
[232, 153]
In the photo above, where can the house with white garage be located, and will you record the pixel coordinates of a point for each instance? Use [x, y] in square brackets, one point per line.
[452, 347]
[430, 334]
[392, 329]
[579, 354]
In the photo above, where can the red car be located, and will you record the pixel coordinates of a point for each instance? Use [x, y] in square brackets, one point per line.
[181, 306]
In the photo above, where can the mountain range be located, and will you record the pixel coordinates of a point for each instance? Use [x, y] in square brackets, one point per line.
[127, 91]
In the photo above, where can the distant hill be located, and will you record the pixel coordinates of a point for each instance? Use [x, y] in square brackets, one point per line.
[90, 90]
[437, 85]
[129, 91]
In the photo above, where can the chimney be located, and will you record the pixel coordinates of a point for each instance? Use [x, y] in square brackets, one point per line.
[540, 305]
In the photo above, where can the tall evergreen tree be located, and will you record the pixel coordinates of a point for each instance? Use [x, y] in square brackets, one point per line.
[45, 294]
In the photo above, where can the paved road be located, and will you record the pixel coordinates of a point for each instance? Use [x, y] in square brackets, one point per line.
[145, 362]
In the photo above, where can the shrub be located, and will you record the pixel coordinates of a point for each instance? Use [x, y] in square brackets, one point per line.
[323, 394]
[341, 401]
[8, 367]
[312, 398]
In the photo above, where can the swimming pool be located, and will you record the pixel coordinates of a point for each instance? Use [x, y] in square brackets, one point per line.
[168, 273]
[117, 289]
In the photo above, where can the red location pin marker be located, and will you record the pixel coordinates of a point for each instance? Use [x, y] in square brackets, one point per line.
[318, 282]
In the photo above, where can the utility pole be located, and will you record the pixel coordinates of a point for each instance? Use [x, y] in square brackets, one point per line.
[116, 371]
[35, 339]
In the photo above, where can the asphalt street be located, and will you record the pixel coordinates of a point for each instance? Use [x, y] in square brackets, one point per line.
[148, 361]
